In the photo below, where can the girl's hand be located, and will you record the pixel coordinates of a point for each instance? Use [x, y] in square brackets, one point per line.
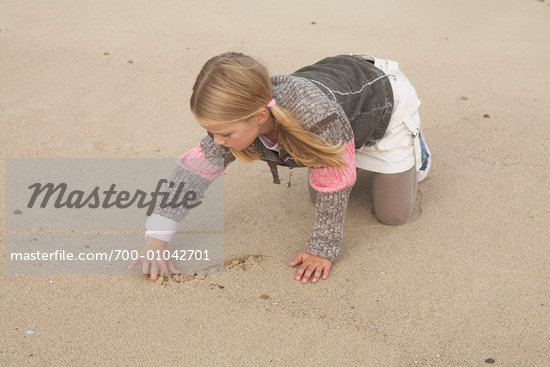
[152, 248]
[311, 265]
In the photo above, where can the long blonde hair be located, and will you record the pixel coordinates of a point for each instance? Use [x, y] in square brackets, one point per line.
[233, 87]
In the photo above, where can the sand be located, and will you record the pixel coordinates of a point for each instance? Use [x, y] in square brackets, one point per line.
[465, 284]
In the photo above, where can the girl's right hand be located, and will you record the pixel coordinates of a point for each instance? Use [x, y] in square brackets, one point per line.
[152, 248]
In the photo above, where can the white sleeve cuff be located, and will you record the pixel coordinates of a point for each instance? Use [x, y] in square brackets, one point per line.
[160, 227]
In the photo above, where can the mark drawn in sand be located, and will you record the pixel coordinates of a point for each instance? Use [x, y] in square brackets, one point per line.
[242, 262]
[539, 213]
[234, 264]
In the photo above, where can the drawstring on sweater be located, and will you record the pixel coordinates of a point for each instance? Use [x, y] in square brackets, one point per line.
[275, 174]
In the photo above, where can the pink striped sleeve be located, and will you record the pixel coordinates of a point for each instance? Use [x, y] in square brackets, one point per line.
[195, 161]
[332, 179]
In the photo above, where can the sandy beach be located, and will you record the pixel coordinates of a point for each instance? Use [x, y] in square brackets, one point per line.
[466, 283]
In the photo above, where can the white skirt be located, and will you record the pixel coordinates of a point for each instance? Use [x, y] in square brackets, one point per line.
[399, 149]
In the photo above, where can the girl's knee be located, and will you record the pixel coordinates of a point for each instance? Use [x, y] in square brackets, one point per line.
[393, 217]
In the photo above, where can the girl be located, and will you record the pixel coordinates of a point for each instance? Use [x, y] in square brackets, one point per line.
[340, 113]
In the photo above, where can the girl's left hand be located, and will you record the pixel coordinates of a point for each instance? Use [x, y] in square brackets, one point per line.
[318, 266]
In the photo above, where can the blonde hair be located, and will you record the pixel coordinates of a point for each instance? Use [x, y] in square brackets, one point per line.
[233, 87]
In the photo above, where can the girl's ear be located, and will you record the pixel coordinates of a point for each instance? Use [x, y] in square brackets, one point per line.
[262, 116]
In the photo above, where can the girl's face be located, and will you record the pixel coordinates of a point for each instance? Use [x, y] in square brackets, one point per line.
[238, 135]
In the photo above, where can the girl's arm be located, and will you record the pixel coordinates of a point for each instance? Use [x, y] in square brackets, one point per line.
[197, 169]
[321, 114]
[333, 186]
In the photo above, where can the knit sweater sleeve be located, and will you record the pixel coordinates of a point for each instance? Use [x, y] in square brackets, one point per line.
[196, 170]
[333, 186]
[317, 112]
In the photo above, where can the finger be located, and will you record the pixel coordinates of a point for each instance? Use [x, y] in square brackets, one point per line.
[317, 275]
[297, 260]
[154, 271]
[145, 267]
[134, 263]
[307, 275]
[173, 269]
[300, 271]
[326, 271]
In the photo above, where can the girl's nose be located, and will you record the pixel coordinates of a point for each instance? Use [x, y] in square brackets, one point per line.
[218, 140]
